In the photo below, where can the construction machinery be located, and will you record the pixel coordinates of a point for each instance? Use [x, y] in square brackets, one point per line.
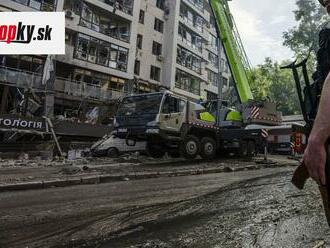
[175, 124]
[248, 111]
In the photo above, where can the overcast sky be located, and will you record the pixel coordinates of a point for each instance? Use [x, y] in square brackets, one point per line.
[261, 24]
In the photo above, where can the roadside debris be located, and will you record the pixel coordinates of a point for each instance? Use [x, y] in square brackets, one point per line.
[101, 170]
[320, 244]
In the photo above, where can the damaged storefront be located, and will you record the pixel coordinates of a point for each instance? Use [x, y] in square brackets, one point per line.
[77, 101]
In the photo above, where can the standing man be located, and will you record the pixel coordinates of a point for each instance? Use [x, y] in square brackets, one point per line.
[315, 153]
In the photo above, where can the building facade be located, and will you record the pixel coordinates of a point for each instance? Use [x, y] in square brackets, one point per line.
[178, 48]
[116, 47]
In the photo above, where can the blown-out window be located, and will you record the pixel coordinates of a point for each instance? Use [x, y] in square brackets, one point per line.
[42, 5]
[103, 24]
[187, 82]
[100, 52]
[189, 60]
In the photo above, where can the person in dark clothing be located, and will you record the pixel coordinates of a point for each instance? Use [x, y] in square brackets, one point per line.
[315, 153]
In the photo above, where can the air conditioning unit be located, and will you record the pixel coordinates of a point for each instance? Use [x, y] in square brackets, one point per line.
[160, 58]
[69, 14]
[166, 13]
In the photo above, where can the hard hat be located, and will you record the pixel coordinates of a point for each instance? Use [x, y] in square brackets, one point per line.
[322, 2]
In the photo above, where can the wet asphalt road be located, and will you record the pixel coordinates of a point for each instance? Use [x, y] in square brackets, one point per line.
[245, 209]
[261, 212]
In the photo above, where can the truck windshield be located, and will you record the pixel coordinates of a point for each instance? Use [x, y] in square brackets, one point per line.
[143, 104]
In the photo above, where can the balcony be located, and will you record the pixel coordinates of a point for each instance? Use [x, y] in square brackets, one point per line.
[84, 90]
[196, 5]
[192, 19]
[190, 39]
[187, 82]
[25, 79]
[198, 49]
[197, 27]
[125, 6]
[110, 25]
[41, 5]
[189, 60]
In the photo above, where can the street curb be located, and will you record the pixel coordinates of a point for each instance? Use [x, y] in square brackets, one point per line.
[107, 178]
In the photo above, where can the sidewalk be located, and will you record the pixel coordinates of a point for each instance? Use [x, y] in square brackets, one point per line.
[19, 175]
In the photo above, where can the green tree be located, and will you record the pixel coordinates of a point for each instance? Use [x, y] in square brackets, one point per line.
[260, 80]
[310, 16]
[269, 81]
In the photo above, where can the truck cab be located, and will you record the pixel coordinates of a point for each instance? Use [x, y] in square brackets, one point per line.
[161, 113]
[136, 114]
[172, 113]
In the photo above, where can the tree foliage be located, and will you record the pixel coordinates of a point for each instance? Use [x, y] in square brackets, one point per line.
[310, 17]
[269, 81]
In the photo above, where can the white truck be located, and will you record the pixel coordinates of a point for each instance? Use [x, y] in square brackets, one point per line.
[171, 123]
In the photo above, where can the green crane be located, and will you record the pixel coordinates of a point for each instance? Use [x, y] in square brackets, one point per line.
[236, 56]
[250, 111]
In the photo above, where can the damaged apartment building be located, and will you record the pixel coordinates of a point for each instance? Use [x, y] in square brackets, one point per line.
[115, 48]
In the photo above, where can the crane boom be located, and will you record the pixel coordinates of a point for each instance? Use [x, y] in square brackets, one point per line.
[233, 48]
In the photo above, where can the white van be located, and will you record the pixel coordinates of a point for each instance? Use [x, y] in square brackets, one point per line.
[113, 146]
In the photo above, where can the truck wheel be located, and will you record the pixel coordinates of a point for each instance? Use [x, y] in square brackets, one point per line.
[155, 151]
[243, 149]
[190, 147]
[208, 148]
[113, 152]
[251, 150]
